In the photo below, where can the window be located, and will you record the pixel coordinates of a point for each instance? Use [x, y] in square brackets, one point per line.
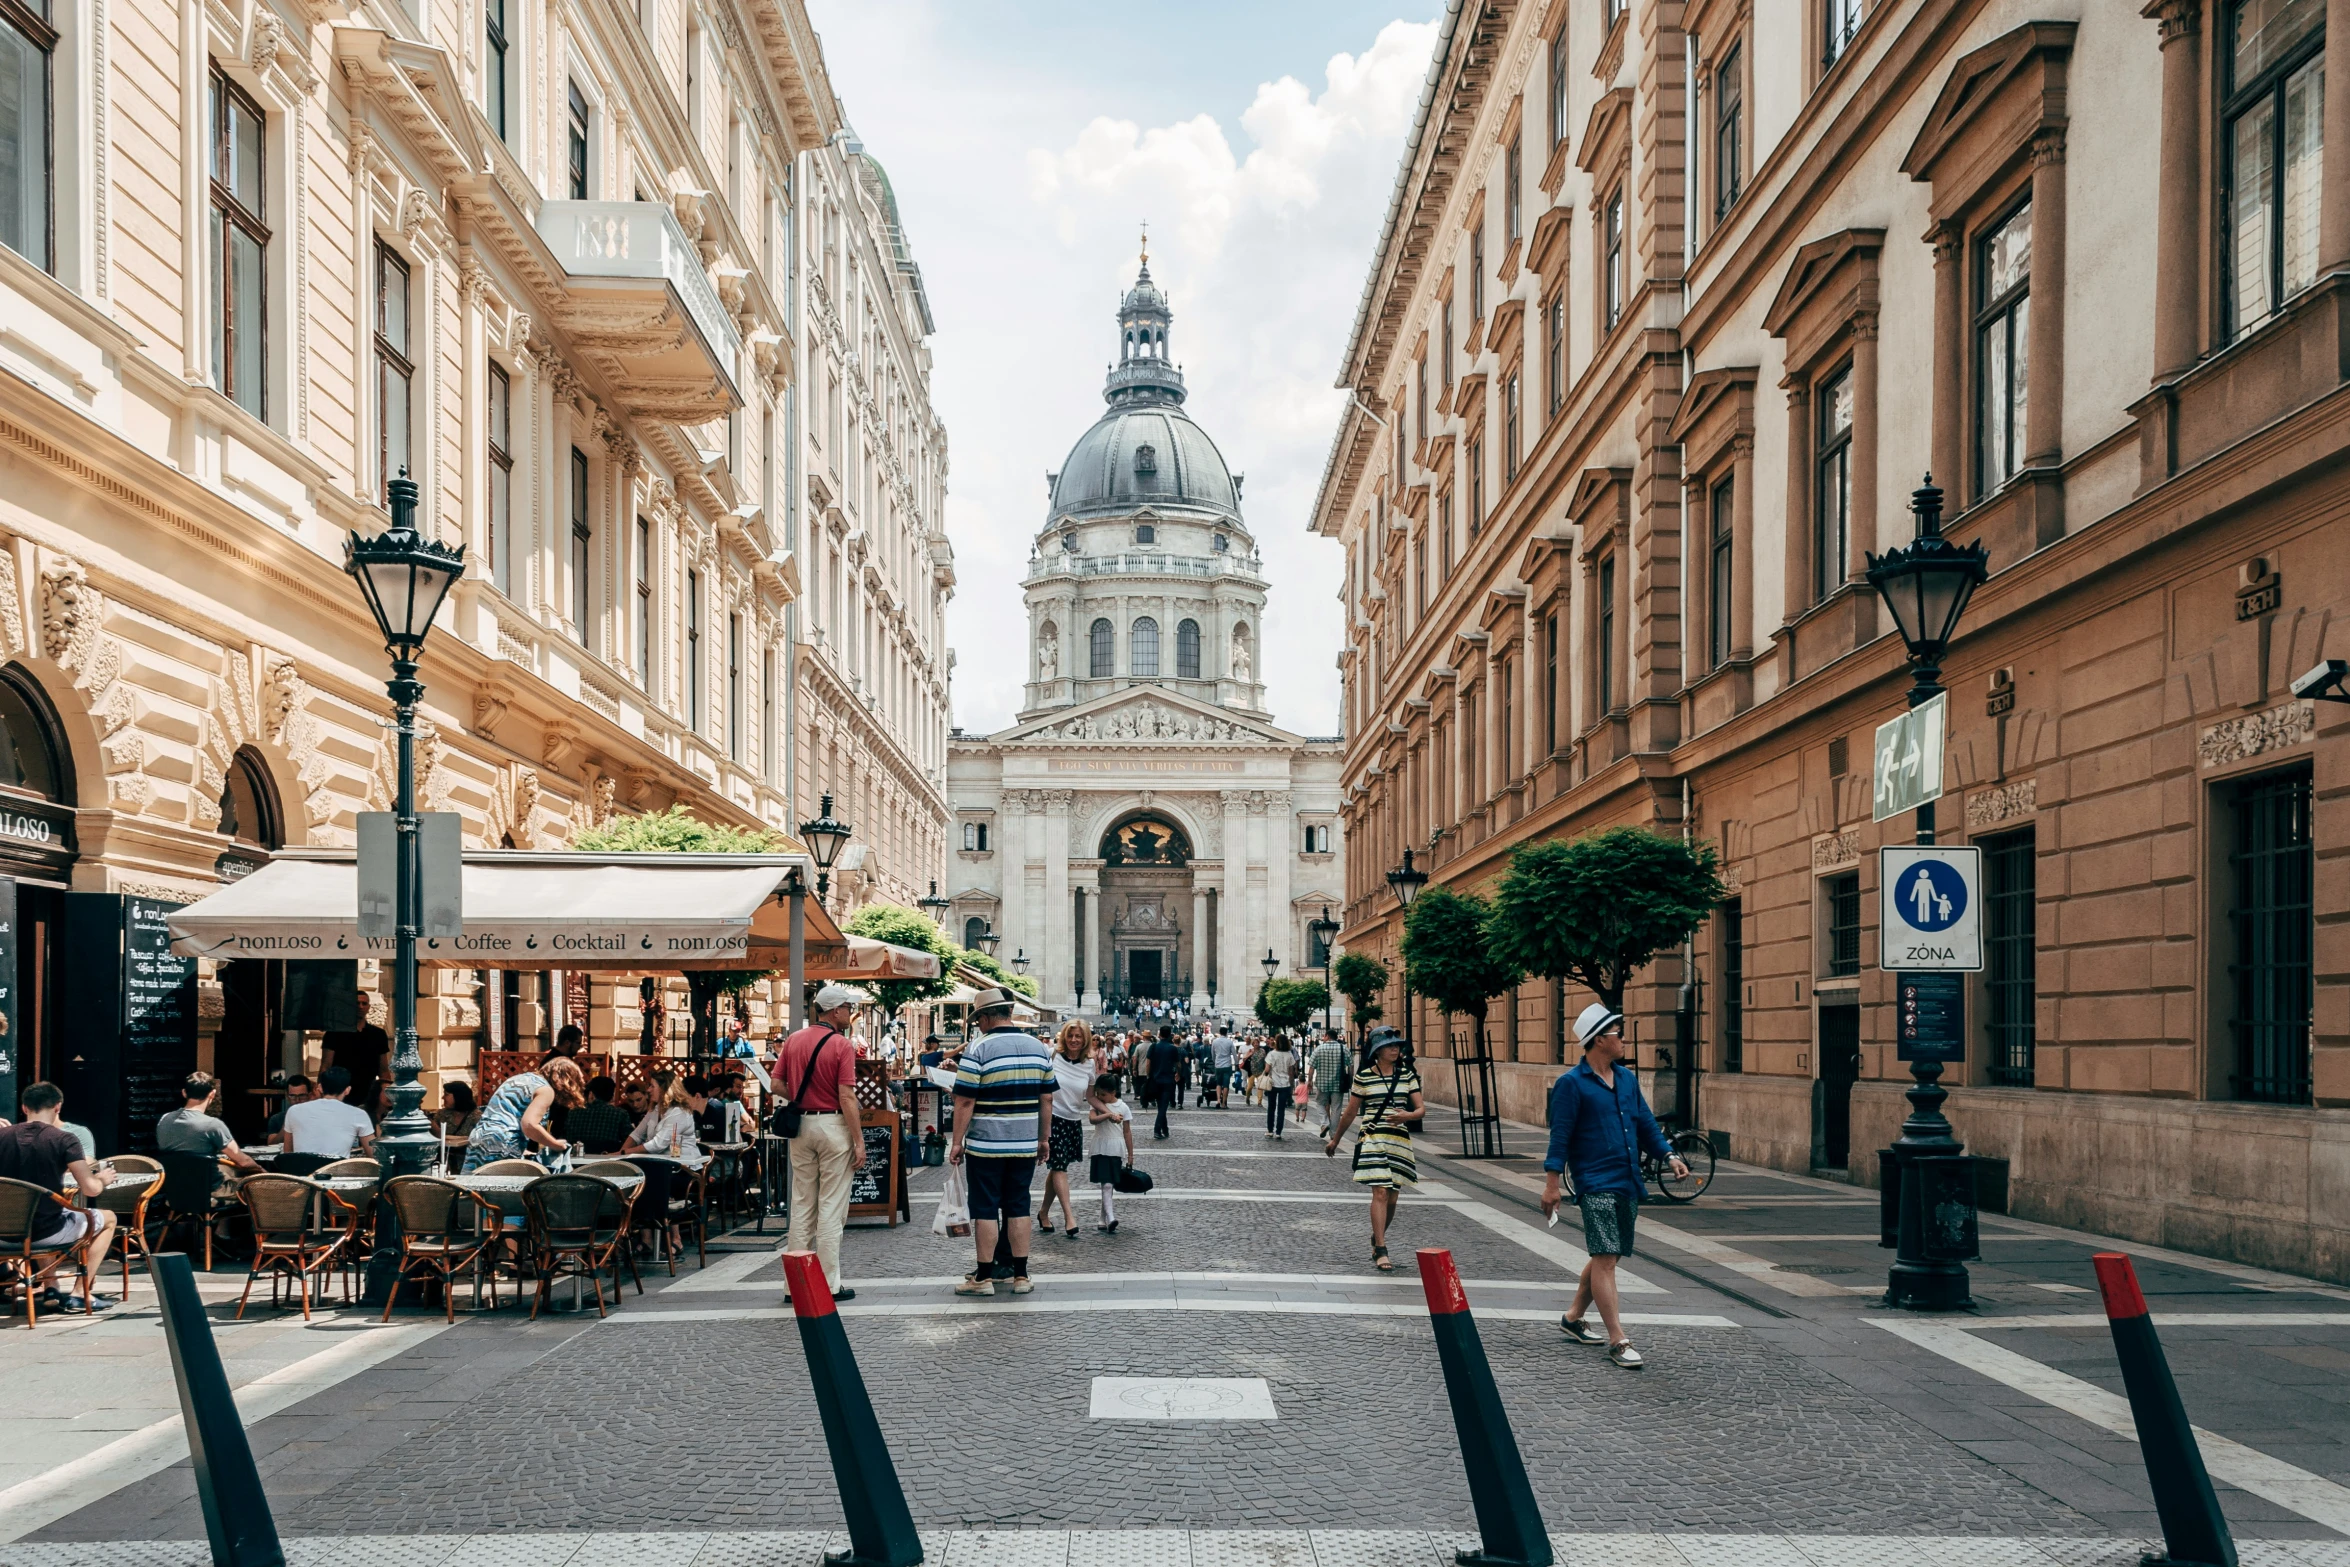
[974, 842]
[493, 27]
[1420, 382]
[1142, 649]
[1396, 413]
[1550, 682]
[767, 712]
[644, 605]
[2274, 105]
[1720, 560]
[27, 44]
[1444, 348]
[1729, 130]
[240, 250]
[1473, 459]
[1145, 533]
[1509, 428]
[1477, 270]
[1611, 261]
[1317, 842]
[1420, 575]
[734, 685]
[1509, 719]
[1831, 532]
[1607, 634]
[395, 374]
[1843, 897]
[974, 927]
[577, 145]
[1554, 351]
[1443, 538]
[1733, 928]
[693, 651]
[501, 451]
[1556, 81]
[693, 75]
[581, 535]
[1610, 13]
[1102, 655]
[1513, 186]
[2269, 864]
[1187, 650]
[2003, 304]
[1842, 21]
[2009, 896]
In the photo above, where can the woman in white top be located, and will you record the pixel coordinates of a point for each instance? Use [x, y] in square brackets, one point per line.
[667, 1131]
[1280, 1073]
[1074, 1070]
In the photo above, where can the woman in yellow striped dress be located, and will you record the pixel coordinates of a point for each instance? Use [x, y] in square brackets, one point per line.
[1386, 1095]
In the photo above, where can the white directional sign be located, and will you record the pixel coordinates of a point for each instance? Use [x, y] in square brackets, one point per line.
[1930, 910]
[1909, 758]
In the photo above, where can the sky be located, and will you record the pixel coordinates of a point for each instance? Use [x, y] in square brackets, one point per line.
[1027, 144]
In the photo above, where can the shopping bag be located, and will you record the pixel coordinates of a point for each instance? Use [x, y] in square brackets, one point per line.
[954, 1205]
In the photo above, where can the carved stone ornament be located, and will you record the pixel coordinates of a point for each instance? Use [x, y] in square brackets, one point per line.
[1987, 808]
[606, 787]
[1831, 850]
[1145, 720]
[281, 694]
[2233, 739]
[526, 807]
[69, 610]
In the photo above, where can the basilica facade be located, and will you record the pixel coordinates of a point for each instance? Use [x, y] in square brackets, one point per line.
[1144, 830]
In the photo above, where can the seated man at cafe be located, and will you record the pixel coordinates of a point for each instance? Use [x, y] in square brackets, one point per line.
[330, 1127]
[298, 1088]
[599, 1126]
[40, 1150]
[710, 1116]
[193, 1128]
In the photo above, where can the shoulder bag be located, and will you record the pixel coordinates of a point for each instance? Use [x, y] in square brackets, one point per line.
[786, 1120]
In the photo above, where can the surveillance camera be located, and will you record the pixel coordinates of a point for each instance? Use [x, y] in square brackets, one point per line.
[2325, 682]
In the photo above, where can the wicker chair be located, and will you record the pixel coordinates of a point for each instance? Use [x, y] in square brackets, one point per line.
[575, 1221]
[191, 1194]
[293, 1234]
[363, 1205]
[443, 1229]
[24, 1210]
[622, 1252]
[128, 1203]
[689, 1208]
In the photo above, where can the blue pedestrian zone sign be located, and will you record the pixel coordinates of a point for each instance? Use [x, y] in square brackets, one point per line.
[1929, 910]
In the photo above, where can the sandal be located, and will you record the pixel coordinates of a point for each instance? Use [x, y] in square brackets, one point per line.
[1381, 1261]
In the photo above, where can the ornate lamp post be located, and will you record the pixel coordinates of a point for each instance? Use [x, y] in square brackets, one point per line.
[404, 576]
[987, 940]
[825, 839]
[1405, 882]
[935, 906]
[1020, 962]
[1926, 586]
[1325, 931]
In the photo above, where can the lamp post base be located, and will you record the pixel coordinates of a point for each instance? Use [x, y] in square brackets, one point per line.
[1928, 1286]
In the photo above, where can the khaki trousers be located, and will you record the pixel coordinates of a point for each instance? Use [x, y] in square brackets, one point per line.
[820, 1158]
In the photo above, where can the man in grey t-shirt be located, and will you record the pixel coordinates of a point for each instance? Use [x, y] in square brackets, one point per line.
[193, 1128]
[1222, 1051]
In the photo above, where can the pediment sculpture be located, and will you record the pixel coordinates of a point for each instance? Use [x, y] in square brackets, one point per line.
[1145, 721]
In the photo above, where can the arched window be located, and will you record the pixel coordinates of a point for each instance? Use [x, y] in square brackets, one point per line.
[974, 928]
[30, 757]
[248, 804]
[1142, 648]
[1102, 659]
[1187, 650]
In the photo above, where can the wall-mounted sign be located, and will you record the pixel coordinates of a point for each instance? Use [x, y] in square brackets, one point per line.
[35, 833]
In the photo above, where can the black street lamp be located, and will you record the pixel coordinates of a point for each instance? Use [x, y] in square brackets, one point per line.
[404, 576]
[825, 839]
[1405, 882]
[1926, 586]
[1020, 961]
[1269, 964]
[1324, 931]
[934, 906]
[986, 941]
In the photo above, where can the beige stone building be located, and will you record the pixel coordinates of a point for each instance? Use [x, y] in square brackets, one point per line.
[871, 704]
[1675, 306]
[257, 260]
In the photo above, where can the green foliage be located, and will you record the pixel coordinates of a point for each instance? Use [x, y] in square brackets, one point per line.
[1596, 909]
[678, 831]
[904, 927]
[1290, 1003]
[1447, 957]
[1362, 979]
[998, 972]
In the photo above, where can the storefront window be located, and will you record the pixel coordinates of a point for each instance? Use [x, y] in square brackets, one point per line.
[28, 758]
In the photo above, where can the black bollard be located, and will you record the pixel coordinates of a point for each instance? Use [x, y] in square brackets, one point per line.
[2194, 1531]
[881, 1530]
[236, 1509]
[1509, 1524]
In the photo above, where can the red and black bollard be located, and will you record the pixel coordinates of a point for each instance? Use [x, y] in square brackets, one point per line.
[2194, 1531]
[881, 1530]
[1509, 1525]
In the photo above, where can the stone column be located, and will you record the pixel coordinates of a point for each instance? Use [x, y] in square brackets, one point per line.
[1090, 922]
[1056, 978]
[2044, 410]
[1201, 954]
[1799, 564]
[1280, 860]
[1742, 547]
[1012, 862]
[1950, 348]
[2178, 221]
[1697, 565]
[2333, 231]
[1232, 904]
[1863, 531]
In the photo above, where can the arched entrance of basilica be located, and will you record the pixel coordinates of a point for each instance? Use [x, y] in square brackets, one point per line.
[1149, 949]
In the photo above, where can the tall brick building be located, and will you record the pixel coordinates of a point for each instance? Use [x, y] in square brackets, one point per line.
[1672, 312]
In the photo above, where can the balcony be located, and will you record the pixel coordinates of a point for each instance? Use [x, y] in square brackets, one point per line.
[638, 304]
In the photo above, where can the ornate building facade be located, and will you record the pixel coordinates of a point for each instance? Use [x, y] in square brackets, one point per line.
[268, 257]
[1675, 306]
[871, 703]
[1143, 830]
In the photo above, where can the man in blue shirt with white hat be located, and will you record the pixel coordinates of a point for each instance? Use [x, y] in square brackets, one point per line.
[1599, 1124]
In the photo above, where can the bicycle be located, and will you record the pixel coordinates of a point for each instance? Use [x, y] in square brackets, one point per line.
[1695, 1150]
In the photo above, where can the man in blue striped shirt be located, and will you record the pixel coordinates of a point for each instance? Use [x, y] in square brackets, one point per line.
[1003, 1102]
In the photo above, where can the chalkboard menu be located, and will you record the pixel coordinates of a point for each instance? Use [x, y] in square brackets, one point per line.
[873, 1188]
[158, 1021]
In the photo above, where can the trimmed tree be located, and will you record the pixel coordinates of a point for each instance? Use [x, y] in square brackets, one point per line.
[995, 970]
[1362, 979]
[1448, 958]
[679, 831]
[1597, 909]
[1290, 1003]
[904, 927]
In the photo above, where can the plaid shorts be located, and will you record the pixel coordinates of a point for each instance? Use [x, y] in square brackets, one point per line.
[1608, 1218]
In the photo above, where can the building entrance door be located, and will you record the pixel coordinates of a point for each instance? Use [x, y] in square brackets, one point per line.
[1839, 1070]
[1142, 974]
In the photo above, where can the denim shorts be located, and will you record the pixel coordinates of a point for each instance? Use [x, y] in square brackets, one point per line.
[1608, 1218]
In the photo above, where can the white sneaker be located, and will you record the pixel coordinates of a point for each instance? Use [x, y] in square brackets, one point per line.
[974, 1285]
[1626, 1356]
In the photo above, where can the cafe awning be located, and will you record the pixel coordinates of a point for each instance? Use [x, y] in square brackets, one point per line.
[535, 909]
[868, 959]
